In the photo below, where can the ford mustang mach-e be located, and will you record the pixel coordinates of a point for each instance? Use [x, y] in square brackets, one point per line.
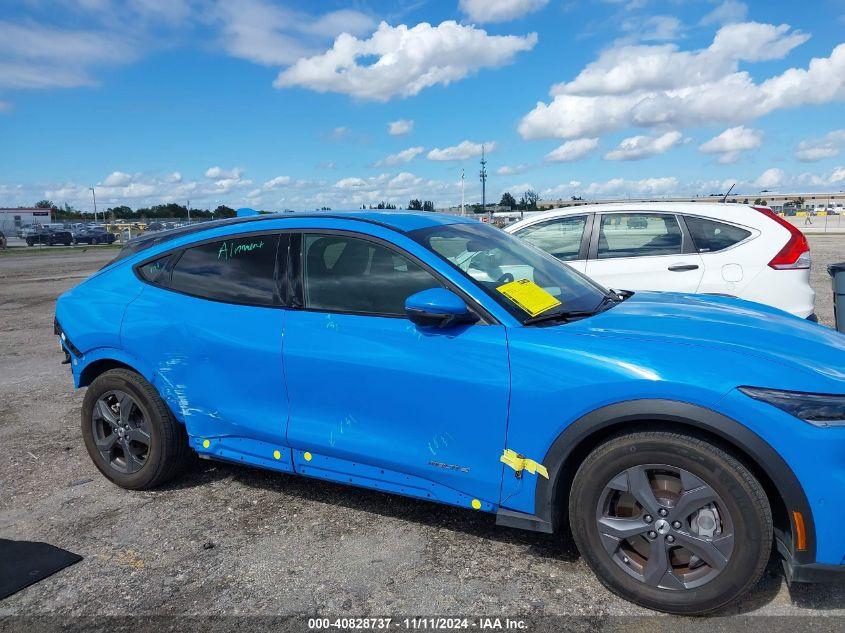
[677, 435]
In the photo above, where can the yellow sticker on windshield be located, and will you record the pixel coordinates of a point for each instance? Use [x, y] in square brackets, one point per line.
[529, 296]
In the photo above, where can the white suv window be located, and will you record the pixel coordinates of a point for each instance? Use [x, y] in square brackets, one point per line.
[560, 237]
[638, 235]
[711, 236]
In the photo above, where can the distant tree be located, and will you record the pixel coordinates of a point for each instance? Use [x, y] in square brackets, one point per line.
[45, 204]
[415, 205]
[122, 212]
[531, 199]
[222, 211]
[508, 200]
[428, 205]
[800, 202]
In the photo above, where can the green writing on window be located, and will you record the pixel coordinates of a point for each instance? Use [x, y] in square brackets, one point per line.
[230, 250]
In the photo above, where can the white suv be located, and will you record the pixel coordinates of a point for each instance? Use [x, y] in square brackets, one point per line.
[730, 249]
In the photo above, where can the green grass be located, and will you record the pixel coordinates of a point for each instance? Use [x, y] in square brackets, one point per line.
[36, 251]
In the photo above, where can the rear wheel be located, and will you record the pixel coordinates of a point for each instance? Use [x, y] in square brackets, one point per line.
[670, 522]
[129, 432]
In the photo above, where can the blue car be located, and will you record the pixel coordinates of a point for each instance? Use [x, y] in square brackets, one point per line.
[677, 437]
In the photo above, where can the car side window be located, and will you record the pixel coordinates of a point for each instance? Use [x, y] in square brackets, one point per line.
[155, 271]
[560, 237]
[711, 236]
[638, 235]
[349, 274]
[235, 270]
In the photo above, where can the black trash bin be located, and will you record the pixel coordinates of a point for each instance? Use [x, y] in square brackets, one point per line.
[837, 273]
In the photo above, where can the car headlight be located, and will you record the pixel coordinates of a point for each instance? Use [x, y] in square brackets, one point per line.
[818, 409]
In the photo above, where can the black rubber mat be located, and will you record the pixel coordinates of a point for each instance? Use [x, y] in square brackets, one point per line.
[23, 563]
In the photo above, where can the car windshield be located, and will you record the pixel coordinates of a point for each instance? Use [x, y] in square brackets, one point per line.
[527, 282]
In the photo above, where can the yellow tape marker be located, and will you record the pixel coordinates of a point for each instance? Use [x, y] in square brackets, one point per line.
[529, 296]
[206, 443]
[307, 456]
[476, 504]
[519, 463]
[277, 454]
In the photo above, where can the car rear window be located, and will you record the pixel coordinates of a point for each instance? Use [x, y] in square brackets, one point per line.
[235, 270]
[711, 236]
[153, 271]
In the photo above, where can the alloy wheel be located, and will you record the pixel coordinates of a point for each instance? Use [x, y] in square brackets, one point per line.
[665, 527]
[121, 432]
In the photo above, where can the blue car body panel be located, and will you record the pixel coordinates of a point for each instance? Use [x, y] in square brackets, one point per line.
[396, 397]
[378, 402]
[217, 365]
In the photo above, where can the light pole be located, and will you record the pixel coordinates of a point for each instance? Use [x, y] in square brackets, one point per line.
[95, 203]
[462, 192]
[189, 212]
[483, 176]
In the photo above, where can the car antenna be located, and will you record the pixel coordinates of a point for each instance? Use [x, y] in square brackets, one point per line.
[725, 198]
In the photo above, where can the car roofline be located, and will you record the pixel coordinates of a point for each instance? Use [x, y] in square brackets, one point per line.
[145, 242]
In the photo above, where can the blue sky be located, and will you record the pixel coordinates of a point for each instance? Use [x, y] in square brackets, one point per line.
[302, 104]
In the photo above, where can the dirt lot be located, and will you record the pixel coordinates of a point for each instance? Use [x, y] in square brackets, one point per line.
[229, 540]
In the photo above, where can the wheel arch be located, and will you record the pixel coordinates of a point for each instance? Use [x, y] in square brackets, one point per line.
[578, 439]
[99, 360]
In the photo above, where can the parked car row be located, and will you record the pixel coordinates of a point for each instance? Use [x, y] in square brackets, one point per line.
[48, 236]
[55, 234]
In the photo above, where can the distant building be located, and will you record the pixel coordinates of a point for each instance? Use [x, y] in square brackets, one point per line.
[12, 219]
[834, 202]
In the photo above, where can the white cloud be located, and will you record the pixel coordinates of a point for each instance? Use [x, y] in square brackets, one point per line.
[649, 86]
[655, 28]
[117, 179]
[512, 170]
[273, 35]
[400, 127]
[275, 183]
[728, 12]
[173, 177]
[573, 150]
[770, 178]
[732, 142]
[639, 147]
[828, 146]
[33, 56]
[219, 172]
[408, 60]
[622, 187]
[405, 156]
[517, 190]
[499, 10]
[461, 151]
[339, 133]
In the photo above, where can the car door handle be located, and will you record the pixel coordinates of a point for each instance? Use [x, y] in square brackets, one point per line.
[682, 268]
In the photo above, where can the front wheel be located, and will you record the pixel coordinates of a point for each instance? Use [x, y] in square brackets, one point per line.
[129, 432]
[670, 522]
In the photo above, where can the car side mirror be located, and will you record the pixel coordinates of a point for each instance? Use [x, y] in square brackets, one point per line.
[438, 307]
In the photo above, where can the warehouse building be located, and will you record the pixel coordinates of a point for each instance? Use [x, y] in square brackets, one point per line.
[779, 202]
[13, 219]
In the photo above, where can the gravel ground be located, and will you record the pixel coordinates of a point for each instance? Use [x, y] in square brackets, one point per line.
[231, 540]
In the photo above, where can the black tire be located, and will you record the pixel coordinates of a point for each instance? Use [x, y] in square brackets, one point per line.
[29, 242]
[168, 448]
[743, 500]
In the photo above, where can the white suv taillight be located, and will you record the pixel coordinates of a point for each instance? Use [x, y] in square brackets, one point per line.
[796, 252]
